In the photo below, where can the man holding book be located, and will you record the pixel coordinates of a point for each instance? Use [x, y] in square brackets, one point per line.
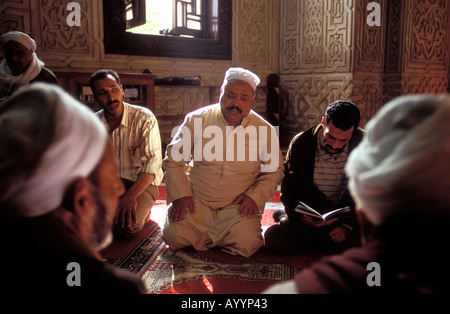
[314, 175]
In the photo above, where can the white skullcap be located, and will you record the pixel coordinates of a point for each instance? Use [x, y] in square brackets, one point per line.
[19, 37]
[403, 163]
[64, 138]
[243, 75]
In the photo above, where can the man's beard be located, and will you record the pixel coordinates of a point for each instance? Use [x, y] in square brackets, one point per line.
[330, 150]
[103, 234]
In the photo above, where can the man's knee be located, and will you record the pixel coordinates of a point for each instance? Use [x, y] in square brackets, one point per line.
[278, 241]
[272, 238]
[172, 237]
[246, 238]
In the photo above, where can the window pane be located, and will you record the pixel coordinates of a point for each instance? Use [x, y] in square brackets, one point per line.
[159, 18]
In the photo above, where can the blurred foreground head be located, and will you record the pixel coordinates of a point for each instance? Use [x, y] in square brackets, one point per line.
[47, 141]
[403, 163]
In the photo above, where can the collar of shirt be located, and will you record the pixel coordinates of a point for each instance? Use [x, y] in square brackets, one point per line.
[125, 114]
[124, 120]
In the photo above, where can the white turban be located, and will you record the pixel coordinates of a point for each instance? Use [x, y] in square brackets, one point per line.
[403, 163]
[19, 37]
[243, 75]
[75, 138]
[7, 79]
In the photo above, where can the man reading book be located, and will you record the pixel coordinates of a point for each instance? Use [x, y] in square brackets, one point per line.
[314, 175]
[404, 236]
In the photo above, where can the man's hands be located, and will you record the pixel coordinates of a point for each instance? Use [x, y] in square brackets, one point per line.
[126, 215]
[338, 234]
[181, 206]
[248, 206]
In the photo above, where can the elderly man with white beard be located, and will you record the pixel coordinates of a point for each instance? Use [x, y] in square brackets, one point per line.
[59, 191]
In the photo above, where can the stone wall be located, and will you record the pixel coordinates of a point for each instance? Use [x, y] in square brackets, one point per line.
[81, 49]
[329, 52]
[323, 50]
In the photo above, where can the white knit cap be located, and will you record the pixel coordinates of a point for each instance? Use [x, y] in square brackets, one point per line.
[403, 162]
[19, 37]
[76, 145]
[243, 75]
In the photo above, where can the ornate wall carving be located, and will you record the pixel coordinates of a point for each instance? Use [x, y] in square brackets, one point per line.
[330, 52]
[256, 33]
[15, 15]
[316, 59]
[57, 35]
[323, 49]
[427, 49]
[81, 49]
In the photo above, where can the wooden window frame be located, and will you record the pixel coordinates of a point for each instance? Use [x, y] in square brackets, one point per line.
[119, 41]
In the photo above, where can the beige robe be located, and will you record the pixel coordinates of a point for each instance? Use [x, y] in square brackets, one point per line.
[215, 163]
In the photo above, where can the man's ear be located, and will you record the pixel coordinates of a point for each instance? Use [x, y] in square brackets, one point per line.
[323, 121]
[83, 198]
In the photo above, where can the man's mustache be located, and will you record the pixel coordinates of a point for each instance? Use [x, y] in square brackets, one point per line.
[109, 103]
[234, 107]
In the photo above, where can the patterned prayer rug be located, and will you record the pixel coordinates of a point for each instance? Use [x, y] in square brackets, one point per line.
[191, 272]
[185, 271]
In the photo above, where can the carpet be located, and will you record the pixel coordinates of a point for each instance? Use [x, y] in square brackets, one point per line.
[189, 271]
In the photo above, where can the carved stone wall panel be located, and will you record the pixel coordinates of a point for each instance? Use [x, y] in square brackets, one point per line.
[416, 84]
[15, 15]
[369, 40]
[256, 34]
[316, 59]
[394, 36]
[172, 101]
[392, 86]
[290, 38]
[368, 94]
[339, 35]
[427, 33]
[309, 96]
[312, 34]
[57, 35]
[318, 42]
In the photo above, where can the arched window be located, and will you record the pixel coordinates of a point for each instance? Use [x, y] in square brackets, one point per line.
[196, 28]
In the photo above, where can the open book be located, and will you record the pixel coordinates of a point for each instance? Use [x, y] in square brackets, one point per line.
[302, 208]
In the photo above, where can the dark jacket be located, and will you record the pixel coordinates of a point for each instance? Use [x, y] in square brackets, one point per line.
[46, 76]
[408, 262]
[37, 253]
[298, 184]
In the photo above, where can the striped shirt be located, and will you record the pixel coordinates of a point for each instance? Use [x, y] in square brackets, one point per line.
[329, 174]
[137, 143]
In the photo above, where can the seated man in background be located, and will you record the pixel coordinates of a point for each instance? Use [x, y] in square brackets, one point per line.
[235, 165]
[314, 174]
[21, 66]
[58, 196]
[137, 146]
[400, 179]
